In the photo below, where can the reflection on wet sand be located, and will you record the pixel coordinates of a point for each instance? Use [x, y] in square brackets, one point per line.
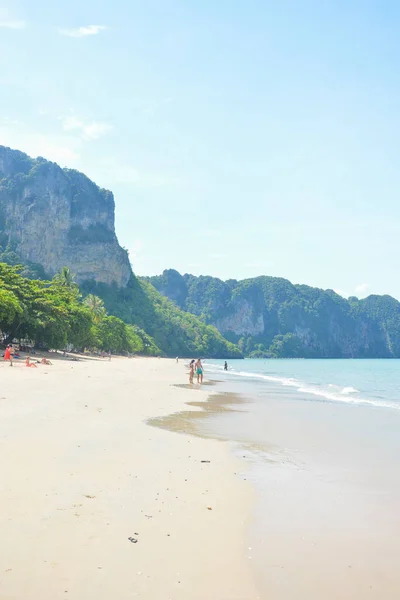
[190, 421]
[194, 422]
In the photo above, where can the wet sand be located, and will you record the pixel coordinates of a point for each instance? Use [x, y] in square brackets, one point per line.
[326, 520]
[82, 472]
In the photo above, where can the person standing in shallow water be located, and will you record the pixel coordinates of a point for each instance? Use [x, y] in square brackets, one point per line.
[225, 366]
[199, 371]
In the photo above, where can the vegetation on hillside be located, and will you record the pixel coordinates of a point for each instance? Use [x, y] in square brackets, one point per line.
[10, 257]
[51, 314]
[176, 332]
[271, 317]
[89, 219]
[155, 325]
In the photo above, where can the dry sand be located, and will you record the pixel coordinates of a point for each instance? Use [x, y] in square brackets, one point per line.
[81, 472]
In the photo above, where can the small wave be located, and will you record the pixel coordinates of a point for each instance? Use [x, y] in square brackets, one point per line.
[344, 398]
[335, 393]
[343, 390]
[349, 390]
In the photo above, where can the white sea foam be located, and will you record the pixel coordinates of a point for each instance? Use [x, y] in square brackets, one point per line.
[349, 390]
[330, 391]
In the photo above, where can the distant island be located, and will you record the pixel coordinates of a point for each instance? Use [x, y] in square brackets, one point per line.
[53, 218]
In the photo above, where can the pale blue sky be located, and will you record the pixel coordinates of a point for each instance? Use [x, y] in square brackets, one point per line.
[239, 137]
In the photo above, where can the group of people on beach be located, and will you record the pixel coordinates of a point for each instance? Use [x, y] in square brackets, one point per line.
[10, 353]
[196, 367]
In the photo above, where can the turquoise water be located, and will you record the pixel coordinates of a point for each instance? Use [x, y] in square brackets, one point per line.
[368, 382]
[320, 443]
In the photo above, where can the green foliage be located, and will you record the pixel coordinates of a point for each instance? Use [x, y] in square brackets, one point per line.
[175, 332]
[136, 342]
[206, 297]
[52, 315]
[10, 308]
[296, 320]
[286, 346]
[21, 162]
[259, 351]
[9, 256]
[81, 332]
[382, 311]
[96, 307]
[45, 308]
[112, 335]
[141, 342]
[65, 278]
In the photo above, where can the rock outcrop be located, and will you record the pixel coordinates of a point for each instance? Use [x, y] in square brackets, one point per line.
[58, 217]
[269, 316]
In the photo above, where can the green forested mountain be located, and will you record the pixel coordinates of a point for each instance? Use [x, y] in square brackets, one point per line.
[180, 315]
[269, 316]
[52, 218]
[176, 332]
[53, 314]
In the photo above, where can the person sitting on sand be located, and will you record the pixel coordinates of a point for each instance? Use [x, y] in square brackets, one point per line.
[45, 361]
[191, 370]
[199, 371]
[28, 362]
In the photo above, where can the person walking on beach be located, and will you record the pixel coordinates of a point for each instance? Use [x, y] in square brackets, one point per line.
[225, 366]
[8, 354]
[191, 370]
[199, 371]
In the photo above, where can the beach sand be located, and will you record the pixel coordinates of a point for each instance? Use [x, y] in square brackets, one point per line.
[81, 472]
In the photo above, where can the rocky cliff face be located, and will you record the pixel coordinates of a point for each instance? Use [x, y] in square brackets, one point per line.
[58, 217]
[269, 316]
[244, 320]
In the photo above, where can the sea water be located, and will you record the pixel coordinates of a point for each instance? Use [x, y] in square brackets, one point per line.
[371, 382]
[321, 442]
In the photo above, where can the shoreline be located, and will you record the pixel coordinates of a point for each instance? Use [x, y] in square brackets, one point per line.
[327, 489]
[83, 472]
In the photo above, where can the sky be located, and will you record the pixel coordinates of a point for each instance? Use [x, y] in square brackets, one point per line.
[239, 137]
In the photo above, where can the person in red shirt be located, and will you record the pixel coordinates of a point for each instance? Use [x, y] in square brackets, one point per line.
[8, 354]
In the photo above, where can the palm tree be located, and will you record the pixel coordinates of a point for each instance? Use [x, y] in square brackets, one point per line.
[96, 307]
[65, 278]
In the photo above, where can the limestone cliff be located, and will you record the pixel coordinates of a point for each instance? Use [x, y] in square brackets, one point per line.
[269, 316]
[58, 217]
